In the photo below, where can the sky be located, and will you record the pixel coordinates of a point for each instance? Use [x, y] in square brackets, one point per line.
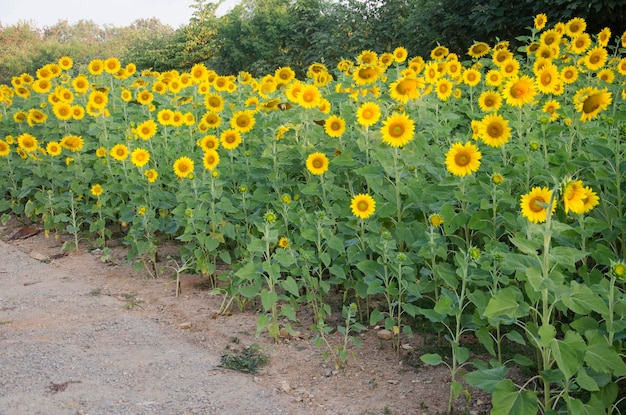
[118, 13]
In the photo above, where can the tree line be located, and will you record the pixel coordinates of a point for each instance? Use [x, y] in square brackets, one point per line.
[260, 35]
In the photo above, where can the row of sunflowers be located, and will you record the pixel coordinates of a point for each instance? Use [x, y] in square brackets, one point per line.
[480, 193]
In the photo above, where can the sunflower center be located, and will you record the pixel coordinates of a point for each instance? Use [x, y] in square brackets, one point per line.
[462, 159]
[362, 206]
[242, 122]
[494, 130]
[335, 126]
[518, 91]
[183, 167]
[592, 103]
[594, 58]
[546, 79]
[230, 139]
[536, 204]
[318, 163]
[489, 102]
[367, 114]
[396, 130]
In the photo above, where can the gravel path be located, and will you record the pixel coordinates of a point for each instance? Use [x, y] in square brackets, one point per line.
[64, 350]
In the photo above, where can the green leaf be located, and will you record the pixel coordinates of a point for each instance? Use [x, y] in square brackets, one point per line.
[248, 271]
[268, 299]
[516, 337]
[569, 353]
[262, 321]
[432, 359]
[375, 317]
[601, 357]
[528, 247]
[291, 286]
[507, 302]
[582, 300]
[547, 333]
[284, 258]
[586, 382]
[444, 306]
[507, 400]
[484, 337]
[456, 388]
[487, 379]
[72, 229]
[288, 311]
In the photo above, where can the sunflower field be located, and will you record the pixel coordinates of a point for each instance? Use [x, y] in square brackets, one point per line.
[483, 194]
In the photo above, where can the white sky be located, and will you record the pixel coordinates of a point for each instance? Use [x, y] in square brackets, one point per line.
[118, 13]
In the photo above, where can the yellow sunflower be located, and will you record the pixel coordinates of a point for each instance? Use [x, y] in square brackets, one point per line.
[478, 50]
[214, 102]
[443, 89]
[365, 74]
[589, 101]
[283, 242]
[199, 73]
[471, 77]
[151, 175]
[230, 139]
[146, 130]
[398, 130]
[309, 96]
[519, 91]
[490, 101]
[209, 143]
[493, 78]
[166, 117]
[596, 58]
[575, 27]
[463, 159]
[573, 194]
[580, 44]
[183, 167]
[540, 21]
[80, 84]
[210, 160]
[317, 163]
[96, 67]
[367, 57]
[112, 65]
[27, 142]
[36, 117]
[96, 190]
[590, 199]
[495, 130]
[335, 126]
[535, 204]
[569, 74]
[243, 121]
[510, 68]
[119, 152]
[368, 114]
[65, 63]
[284, 75]
[140, 157]
[501, 55]
[440, 52]
[72, 142]
[547, 78]
[435, 220]
[5, 149]
[212, 120]
[41, 86]
[98, 100]
[62, 110]
[400, 54]
[363, 205]
[101, 152]
[145, 97]
[404, 89]
[621, 66]
[550, 107]
[606, 75]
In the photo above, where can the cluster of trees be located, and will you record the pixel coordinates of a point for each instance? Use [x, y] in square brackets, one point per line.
[260, 35]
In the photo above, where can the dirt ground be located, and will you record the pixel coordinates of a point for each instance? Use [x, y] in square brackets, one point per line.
[83, 336]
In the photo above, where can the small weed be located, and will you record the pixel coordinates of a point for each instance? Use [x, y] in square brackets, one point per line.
[132, 301]
[3, 322]
[95, 292]
[249, 360]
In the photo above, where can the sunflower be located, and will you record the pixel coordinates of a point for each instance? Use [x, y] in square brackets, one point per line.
[569, 74]
[500, 56]
[214, 102]
[519, 91]
[404, 89]
[471, 77]
[283, 243]
[178, 118]
[20, 116]
[199, 73]
[590, 199]
[368, 114]
[367, 57]
[363, 206]
[112, 65]
[210, 160]
[119, 152]
[580, 44]
[96, 190]
[27, 142]
[455, 70]
[365, 74]
[98, 100]
[463, 159]
[96, 67]
[493, 78]
[435, 220]
[510, 68]
[550, 107]
[65, 95]
[165, 117]
[444, 89]
[145, 97]
[62, 110]
[5, 149]
[35, 117]
[590, 101]
[183, 167]
[478, 50]
[495, 130]
[400, 54]
[540, 21]
[159, 87]
[309, 96]
[151, 175]
[386, 59]
[284, 75]
[243, 121]
[126, 95]
[573, 194]
[140, 157]
[65, 63]
[41, 86]
[72, 142]
[146, 130]
[335, 126]
[440, 52]
[230, 139]
[22, 92]
[596, 58]
[397, 130]
[212, 120]
[547, 77]
[80, 84]
[317, 163]
[606, 75]
[209, 143]
[101, 152]
[490, 101]
[575, 27]
[535, 204]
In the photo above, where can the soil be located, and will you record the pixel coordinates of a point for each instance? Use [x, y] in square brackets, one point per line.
[84, 334]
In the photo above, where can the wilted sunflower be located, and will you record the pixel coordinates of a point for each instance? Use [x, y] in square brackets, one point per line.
[210, 160]
[490, 101]
[119, 152]
[183, 167]
[363, 205]
[495, 130]
[463, 159]
[368, 114]
[243, 121]
[535, 204]
[317, 163]
[230, 139]
[519, 91]
[146, 130]
[589, 101]
[478, 50]
[397, 130]
[335, 126]
[72, 142]
[140, 157]
[27, 142]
